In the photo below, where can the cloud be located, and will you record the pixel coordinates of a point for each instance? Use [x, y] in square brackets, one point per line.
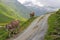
[31, 2]
[51, 3]
[22, 1]
[41, 3]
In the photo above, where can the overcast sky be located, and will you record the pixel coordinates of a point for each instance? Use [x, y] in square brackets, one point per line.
[42, 3]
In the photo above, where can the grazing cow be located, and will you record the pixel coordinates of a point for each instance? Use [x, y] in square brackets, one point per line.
[15, 23]
[32, 14]
[12, 26]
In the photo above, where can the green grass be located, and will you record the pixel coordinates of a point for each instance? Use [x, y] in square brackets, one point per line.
[6, 16]
[26, 24]
[3, 33]
[4, 19]
[54, 27]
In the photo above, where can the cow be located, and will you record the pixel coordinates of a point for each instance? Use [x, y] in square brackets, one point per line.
[15, 23]
[12, 26]
[32, 14]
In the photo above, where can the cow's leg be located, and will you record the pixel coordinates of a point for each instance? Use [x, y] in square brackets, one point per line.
[17, 29]
[13, 32]
[9, 33]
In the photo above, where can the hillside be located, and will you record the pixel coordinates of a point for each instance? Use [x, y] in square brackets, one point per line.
[38, 9]
[54, 27]
[7, 14]
[18, 7]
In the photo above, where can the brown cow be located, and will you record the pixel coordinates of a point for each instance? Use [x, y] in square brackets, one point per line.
[32, 14]
[15, 23]
[12, 26]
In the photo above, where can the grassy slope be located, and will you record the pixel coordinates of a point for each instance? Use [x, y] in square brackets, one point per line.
[4, 19]
[18, 7]
[7, 14]
[26, 24]
[54, 27]
[4, 33]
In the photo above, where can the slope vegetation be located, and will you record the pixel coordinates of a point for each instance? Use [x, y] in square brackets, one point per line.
[54, 27]
[7, 14]
[18, 7]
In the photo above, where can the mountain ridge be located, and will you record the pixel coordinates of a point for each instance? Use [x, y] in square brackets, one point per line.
[7, 14]
[18, 7]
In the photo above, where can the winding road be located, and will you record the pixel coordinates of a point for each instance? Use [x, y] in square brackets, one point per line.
[36, 30]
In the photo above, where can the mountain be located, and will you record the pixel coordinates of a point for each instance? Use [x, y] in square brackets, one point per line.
[38, 9]
[17, 7]
[7, 14]
[54, 26]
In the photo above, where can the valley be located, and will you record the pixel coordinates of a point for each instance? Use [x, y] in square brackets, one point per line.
[29, 20]
[36, 30]
[7, 14]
